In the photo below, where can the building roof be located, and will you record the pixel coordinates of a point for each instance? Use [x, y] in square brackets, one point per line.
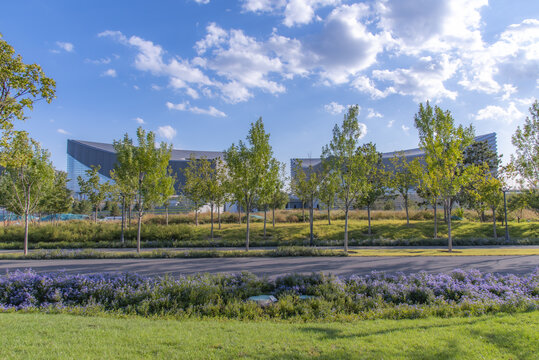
[177, 155]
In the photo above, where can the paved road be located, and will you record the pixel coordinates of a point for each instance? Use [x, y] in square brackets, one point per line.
[273, 267]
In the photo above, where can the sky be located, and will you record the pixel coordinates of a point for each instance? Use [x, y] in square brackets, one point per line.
[199, 72]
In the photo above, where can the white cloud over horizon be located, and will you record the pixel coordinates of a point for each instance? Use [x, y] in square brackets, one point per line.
[167, 132]
[185, 106]
[66, 46]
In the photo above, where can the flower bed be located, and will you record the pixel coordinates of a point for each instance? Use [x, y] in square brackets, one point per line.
[374, 296]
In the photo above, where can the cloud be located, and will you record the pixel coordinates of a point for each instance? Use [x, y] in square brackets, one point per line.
[62, 131]
[406, 129]
[66, 46]
[140, 120]
[334, 108]
[202, 1]
[109, 72]
[185, 106]
[373, 114]
[102, 61]
[362, 130]
[167, 132]
[295, 12]
[500, 114]
[390, 123]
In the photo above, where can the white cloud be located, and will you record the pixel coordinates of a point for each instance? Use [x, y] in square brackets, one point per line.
[110, 72]
[102, 61]
[139, 120]
[362, 130]
[167, 132]
[62, 131]
[500, 114]
[334, 108]
[390, 123]
[66, 46]
[424, 81]
[406, 129]
[202, 1]
[295, 12]
[373, 114]
[185, 106]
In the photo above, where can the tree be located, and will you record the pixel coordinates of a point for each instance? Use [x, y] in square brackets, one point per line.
[272, 186]
[307, 183]
[298, 186]
[329, 185]
[27, 177]
[373, 176]
[21, 85]
[344, 157]
[152, 168]
[403, 178]
[278, 197]
[444, 145]
[211, 184]
[95, 190]
[487, 190]
[517, 203]
[195, 187]
[248, 164]
[526, 140]
[124, 176]
[59, 199]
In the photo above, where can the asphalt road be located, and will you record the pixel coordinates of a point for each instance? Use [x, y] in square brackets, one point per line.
[273, 267]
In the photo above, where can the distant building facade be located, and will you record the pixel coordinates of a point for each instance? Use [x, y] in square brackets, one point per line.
[81, 155]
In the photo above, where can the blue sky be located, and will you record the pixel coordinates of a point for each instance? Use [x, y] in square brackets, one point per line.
[199, 72]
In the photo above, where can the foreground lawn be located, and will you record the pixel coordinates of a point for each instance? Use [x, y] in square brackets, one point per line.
[45, 336]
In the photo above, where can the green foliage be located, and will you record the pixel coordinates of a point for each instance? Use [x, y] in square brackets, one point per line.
[21, 85]
[526, 158]
[59, 198]
[404, 177]
[93, 189]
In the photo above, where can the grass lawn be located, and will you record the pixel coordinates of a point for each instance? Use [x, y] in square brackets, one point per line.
[444, 252]
[45, 336]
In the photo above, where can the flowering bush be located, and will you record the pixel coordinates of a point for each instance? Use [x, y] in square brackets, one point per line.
[315, 296]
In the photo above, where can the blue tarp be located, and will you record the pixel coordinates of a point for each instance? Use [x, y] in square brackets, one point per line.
[64, 217]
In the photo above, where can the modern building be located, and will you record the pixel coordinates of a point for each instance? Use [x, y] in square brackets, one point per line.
[81, 155]
[410, 154]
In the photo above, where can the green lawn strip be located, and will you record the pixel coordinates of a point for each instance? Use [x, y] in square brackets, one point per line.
[385, 232]
[280, 252]
[46, 336]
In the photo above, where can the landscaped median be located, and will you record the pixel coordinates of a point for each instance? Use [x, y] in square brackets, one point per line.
[285, 251]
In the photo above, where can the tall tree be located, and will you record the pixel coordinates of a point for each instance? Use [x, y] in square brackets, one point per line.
[272, 184]
[488, 190]
[195, 188]
[526, 141]
[374, 178]
[307, 183]
[329, 185]
[248, 164]
[278, 197]
[21, 85]
[444, 145]
[26, 179]
[152, 168]
[403, 178]
[95, 190]
[124, 176]
[345, 158]
[298, 185]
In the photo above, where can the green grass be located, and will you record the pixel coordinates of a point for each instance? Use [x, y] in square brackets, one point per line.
[46, 336]
[84, 234]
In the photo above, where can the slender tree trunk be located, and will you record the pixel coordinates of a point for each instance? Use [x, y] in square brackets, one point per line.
[435, 221]
[129, 217]
[247, 232]
[219, 216]
[303, 210]
[211, 221]
[265, 215]
[139, 228]
[122, 239]
[26, 232]
[449, 238]
[346, 229]
[369, 217]
[494, 223]
[406, 208]
[273, 216]
[166, 211]
[311, 220]
[95, 215]
[196, 215]
[329, 215]
[239, 214]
